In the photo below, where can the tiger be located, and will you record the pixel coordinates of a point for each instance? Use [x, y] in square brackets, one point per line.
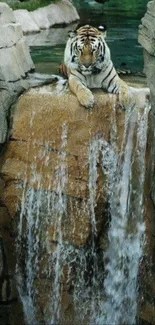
[88, 64]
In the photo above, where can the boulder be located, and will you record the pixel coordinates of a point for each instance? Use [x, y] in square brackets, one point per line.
[15, 63]
[12, 63]
[62, 12]
[33, 134]
[50, 138]
[6, 14]
[10, 34]
[23, 17]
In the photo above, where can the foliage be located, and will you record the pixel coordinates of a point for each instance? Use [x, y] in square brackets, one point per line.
[29, 4]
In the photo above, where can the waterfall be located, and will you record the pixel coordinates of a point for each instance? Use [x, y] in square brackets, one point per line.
[39, 210]
[127, 228]
[104, 288]
[61, 210]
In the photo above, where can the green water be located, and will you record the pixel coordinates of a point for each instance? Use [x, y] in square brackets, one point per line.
[121, 18]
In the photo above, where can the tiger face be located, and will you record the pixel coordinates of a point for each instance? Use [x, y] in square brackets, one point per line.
[86, 50]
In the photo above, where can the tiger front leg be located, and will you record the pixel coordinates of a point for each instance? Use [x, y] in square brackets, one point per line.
[79, 88]
[118, 86]
[130, 96]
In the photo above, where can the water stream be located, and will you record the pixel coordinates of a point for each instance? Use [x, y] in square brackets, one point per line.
[127, 228]
[104, 287]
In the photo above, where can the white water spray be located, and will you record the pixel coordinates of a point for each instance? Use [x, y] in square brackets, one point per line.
[61, 181]
[127, 229]
[39, 209]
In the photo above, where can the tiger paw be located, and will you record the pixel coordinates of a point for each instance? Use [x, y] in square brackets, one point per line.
[86, 98]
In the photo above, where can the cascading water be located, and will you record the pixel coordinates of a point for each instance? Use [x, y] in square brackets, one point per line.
[127, 228]
[104, 288]
[61, 210]
[93, 175]
[36, 204]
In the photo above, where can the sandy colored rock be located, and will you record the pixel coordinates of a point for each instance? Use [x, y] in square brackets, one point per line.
[12, 195]
[51, 112]
[18, 166]
[35, 155]
[19, 169]
[50, 138]
[148, 313]
[37, 139]
[4, 217]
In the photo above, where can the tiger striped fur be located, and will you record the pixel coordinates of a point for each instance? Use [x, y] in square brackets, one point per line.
[89, 65]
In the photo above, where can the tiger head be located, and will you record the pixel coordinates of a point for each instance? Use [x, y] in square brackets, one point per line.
[86, 50]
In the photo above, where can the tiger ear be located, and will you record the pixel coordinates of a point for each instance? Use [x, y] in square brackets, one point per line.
[72, 33]
[103, 29]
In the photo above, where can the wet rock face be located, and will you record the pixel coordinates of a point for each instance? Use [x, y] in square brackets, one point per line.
[51, 136]
[39, 118]
[146, 38]
[47, 185]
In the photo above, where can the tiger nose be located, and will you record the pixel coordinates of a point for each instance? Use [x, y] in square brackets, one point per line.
[87, 64]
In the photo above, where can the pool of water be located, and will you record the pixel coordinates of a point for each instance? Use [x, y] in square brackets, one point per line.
[121, 18]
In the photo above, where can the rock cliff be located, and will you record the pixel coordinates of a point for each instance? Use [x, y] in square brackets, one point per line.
[46, 187]
[146, 38]
[46, 177]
